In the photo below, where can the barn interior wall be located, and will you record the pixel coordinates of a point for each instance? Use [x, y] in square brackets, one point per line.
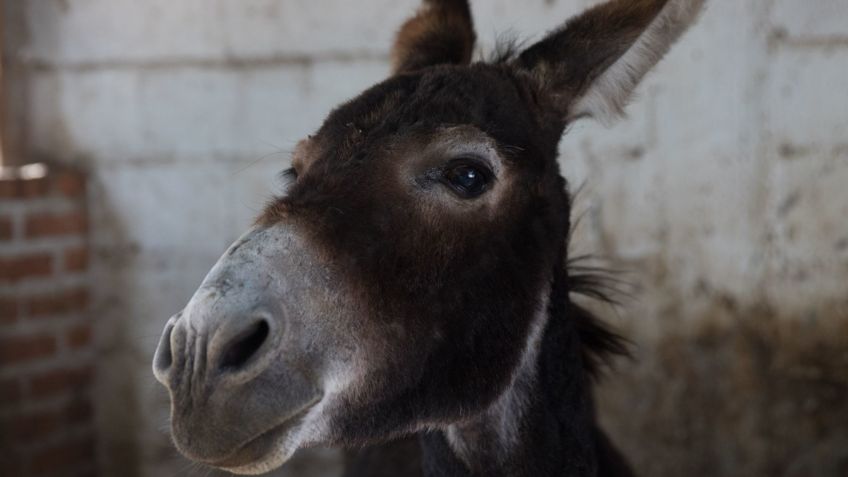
[723, 195]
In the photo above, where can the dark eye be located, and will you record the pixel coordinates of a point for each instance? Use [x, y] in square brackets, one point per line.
[468, 180]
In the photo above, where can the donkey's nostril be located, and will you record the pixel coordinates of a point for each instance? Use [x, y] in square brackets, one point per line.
[244, 345]
[163, 358]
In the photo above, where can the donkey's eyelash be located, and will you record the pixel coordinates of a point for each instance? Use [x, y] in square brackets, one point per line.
[436, 173]
[287, 178]
[289, 174]
[474, 161]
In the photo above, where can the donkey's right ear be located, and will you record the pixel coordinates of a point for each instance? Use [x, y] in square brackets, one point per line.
[442, 32]
[591, 65]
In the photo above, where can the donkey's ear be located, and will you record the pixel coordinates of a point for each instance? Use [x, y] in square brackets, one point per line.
[441, 32]
[591, 66]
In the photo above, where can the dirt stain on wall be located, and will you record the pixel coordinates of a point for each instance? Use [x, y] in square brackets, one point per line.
[738, 393]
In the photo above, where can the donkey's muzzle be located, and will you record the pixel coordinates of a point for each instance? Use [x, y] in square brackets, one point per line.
[220, 369]
[236, 361]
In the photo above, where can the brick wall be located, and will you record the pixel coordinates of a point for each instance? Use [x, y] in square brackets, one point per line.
[46, 345]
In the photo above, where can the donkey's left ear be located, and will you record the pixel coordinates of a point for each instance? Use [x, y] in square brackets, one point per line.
[442, 32]
[591, 66]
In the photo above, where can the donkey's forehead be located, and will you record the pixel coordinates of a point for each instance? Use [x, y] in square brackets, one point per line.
[486, 97]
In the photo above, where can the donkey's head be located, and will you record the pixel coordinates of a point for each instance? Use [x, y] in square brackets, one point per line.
[405, 274]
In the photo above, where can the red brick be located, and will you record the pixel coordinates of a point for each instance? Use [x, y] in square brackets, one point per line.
[76, 259]
[25, 266]
[10, 392]
[62, 457]
[31, 427]
[66, 380]
[9, 310]
[24, 188]
[78, 412]
[8, 188]
[20, 349]
[79, 336]
[29, 188]
[7, 229]
[70, 184]
[50, 225]
[66, 301]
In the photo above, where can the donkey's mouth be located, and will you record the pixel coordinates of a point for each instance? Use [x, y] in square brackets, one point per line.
[266, 451]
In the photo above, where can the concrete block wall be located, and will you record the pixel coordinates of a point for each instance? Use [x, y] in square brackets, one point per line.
[722, 194]
[46, 334]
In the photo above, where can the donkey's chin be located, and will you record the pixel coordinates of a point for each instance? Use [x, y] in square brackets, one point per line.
[276, 449]
[267, 451]
[275, 453]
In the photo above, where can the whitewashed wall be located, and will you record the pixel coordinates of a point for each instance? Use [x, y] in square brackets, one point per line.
[724, 193]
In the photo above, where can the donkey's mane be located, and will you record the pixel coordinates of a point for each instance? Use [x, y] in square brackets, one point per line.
[600, 344]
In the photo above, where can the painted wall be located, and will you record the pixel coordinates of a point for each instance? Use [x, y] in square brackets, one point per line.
[724, 195]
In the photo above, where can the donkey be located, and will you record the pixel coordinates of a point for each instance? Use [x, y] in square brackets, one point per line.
[413, 280]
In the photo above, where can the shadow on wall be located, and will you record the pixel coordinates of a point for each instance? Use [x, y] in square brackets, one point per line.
[743, 392]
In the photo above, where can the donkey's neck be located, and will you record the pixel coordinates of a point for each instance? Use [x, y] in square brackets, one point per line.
[542, 425]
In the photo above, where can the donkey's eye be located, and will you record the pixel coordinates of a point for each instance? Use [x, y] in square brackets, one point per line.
[468, 180]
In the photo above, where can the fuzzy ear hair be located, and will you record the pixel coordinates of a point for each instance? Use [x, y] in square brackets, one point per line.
[591, 66]
[441, 32]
